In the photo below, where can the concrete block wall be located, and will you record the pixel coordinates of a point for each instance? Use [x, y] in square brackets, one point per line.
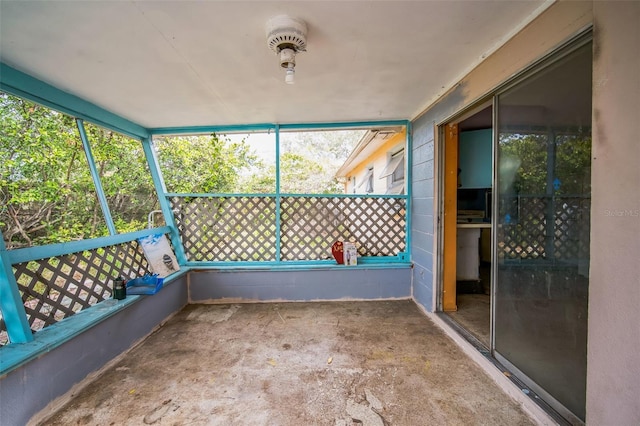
[340, 283]
[422, 211]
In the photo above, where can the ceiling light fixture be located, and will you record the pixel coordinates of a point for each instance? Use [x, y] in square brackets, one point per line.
[287, 36]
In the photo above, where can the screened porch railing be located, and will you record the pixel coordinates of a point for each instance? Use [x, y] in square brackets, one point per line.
[57, 287]
[266, 228]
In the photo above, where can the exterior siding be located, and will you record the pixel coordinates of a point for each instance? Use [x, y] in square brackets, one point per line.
[378, 160]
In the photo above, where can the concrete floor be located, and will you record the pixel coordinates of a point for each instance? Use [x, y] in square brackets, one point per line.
[339, 363]
[474, 315]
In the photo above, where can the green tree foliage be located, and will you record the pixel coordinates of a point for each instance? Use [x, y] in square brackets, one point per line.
[47, 193]
[298, 175]
[523, 163]
[44, 181]
[573, 164]
[124, 176]
[311, 159]
[203, 164]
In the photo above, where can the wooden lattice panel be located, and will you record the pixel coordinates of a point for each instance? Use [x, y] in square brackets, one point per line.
[238, 228]
[58, 287]
[227, 228]
[310, 225]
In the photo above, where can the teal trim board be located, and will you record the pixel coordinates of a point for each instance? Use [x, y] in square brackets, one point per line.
[13, 313]
[23, 85]
[408, 185]
[261, 127]
[278, 199]
[60, 249]
[391, 262]
[55, 335]
[273, 195]
[194, 130]
[161, 191]
[344, 125]
[96, 178]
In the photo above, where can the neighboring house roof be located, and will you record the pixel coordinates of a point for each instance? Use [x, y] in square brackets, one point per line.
[370, 142]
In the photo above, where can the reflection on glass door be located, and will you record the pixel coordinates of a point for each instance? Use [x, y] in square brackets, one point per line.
[542, 242]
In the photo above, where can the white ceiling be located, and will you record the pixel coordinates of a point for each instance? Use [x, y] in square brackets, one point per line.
[192, 63]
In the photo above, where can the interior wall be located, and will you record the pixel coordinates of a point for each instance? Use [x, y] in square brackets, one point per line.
[554, 26]
[613, 364]
[32, 389]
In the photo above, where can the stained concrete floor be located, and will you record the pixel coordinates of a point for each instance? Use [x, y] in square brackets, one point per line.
[474, 315]
[338, 363]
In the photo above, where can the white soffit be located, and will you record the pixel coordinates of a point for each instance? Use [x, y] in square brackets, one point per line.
[175, 63]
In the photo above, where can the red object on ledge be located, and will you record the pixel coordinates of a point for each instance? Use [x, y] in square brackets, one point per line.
[337, 249]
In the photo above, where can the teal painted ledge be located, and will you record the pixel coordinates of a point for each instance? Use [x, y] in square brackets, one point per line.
[14, 355]
[291, 266]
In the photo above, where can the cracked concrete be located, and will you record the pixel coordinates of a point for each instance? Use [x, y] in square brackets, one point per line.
[339, 363]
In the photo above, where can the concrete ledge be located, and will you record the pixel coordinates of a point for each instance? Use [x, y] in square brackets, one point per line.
[65, 355]
[49, 338]
[339, 283]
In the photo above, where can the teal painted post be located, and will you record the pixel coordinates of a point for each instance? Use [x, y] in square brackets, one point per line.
[161, 191]
[13, 313]
[278, 216]
[409, 180]
[96, 178]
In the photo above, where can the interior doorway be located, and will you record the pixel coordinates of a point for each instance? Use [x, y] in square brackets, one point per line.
[468, 198]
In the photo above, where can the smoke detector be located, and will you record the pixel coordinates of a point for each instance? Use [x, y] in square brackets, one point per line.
[287, 36]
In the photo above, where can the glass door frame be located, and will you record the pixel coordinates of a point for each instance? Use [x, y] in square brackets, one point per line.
[558, 54]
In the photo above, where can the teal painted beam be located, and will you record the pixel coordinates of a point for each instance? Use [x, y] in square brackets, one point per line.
[258, 127]
[345, 195]
[13, 313]
[96, 178]
[227, 195]
[278, 199]
[161, 189]
[408, 187]
[60, 249]
[344, 125]
[215, 194]
[23, 85]
[301, 265]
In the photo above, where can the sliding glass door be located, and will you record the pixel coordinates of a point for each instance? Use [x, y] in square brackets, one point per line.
[542, 235]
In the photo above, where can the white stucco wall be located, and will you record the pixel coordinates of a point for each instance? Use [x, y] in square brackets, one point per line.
[613, 361]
